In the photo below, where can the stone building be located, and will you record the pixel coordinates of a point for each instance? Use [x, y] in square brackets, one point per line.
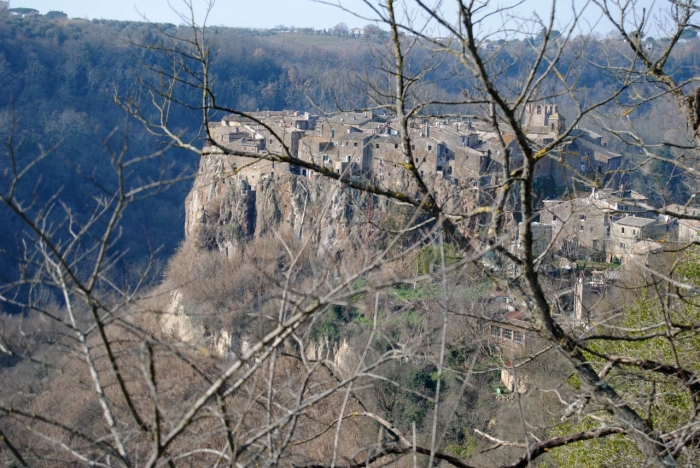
[587, 223]
[632, 238]
[543, 118]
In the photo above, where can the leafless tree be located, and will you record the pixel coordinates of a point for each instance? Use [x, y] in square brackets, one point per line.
[283, 397]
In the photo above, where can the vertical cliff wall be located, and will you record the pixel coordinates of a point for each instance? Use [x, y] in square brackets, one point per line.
[223, 210]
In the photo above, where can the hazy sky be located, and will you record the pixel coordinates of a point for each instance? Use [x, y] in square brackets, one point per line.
[240, 13]
[300, 13]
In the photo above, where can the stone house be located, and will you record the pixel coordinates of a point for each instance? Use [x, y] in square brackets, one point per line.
[316, 149]
[589, 156]
[388, 162]
[471, 167]
[581, 222]
[508, 329]
[627, 233]
[688, 230]
[355, 149]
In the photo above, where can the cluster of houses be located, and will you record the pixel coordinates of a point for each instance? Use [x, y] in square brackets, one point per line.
[613, 225]
[458, 151]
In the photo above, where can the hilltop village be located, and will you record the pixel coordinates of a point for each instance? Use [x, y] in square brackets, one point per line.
[610, 226]
[456, 150]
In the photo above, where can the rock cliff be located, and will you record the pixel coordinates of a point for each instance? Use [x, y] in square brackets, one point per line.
[223, 211]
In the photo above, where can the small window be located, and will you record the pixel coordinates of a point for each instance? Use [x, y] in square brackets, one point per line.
[354, 144]
[582, 217]
[622, 245]
[634, 232]
[554, 217]
[270, 140]
[413, 147]
[377, 146]
[622, 230]
[495, 331]
[396, 145]
[507, 334]
[430, 147]
[325, 158]
[517, 336]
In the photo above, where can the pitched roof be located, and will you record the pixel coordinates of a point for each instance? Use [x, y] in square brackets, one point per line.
[635, 221]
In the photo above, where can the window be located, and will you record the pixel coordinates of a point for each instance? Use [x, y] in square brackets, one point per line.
[554, 217]
[377, 146]
[354, 144]
[622, 245]
[582, 217]
[622, 230]
[634, 232]
[396, 145]
[507, 334]
[517, 336]
[270, 140]
[413, 147]
[325, 158]
[495, 331]
[430, 147]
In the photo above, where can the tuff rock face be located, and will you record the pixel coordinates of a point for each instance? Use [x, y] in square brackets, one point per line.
[224, 211]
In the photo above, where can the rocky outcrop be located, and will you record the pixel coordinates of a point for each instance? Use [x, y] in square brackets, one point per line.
[223, 211]
[175, 323]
